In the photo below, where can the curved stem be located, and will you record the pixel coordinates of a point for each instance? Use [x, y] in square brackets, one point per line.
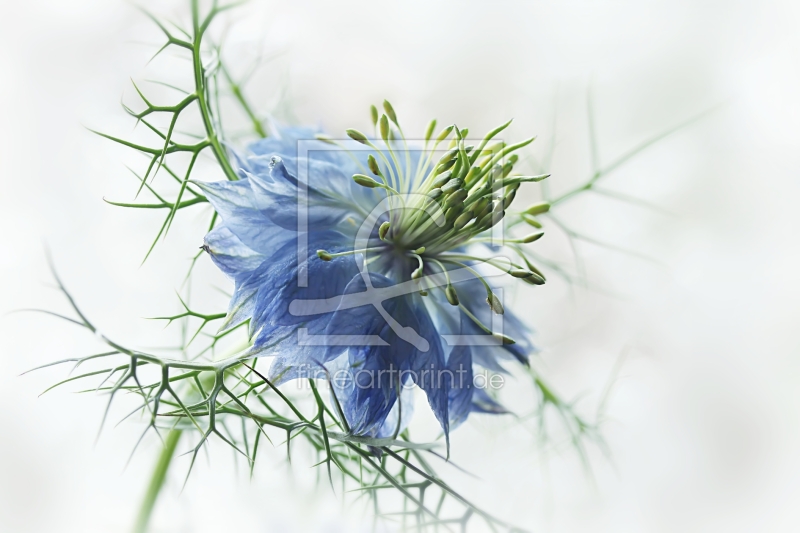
[157, 481]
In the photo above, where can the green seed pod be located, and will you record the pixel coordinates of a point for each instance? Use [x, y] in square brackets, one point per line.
[532, 237]
[429, 131]
[365, 181]
[325, 256]
[451, 294]
[538, 209]
[357, 136]
[374, 112]
[383, 230]
[390, 111]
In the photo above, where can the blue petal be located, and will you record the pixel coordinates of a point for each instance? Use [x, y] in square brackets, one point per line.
[229, 253]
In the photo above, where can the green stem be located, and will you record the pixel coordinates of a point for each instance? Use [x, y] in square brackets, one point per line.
[157, 481]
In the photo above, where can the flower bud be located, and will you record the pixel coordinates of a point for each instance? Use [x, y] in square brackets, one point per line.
[435, 193]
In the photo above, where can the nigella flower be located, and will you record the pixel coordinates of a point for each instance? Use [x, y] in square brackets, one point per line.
[376, 266]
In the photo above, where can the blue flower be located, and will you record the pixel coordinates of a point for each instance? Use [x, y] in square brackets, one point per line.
[363, 265]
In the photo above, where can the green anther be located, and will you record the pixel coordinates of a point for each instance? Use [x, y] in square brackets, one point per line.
[442, 178]
[532, 237]
[494, 303]
[457, 198]
[538, 209]
[504, 338]
[448, 156]
[373, 165]
[520, 273]
[453, 212]
[383, 230]
[482, 207]
[513, 158]
[451, 294]
[509, 199]
[356, 136]
[533, 268]
[435, 193]
[532, 221]
[390, 111]
[325, 256]
[423, 292]
[452, 185]
[429, 131]
[374, 112]
[417, 273]
[447, 166]
[534, 279]
[384, 122]
[445, 133]
[324, 138]
[462, 220]
[366, 181]
[470, 177]
[420, 250]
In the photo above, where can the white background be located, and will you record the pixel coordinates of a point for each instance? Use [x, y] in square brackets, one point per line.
[703, 422]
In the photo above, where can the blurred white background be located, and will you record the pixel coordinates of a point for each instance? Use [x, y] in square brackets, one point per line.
[703, 420]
